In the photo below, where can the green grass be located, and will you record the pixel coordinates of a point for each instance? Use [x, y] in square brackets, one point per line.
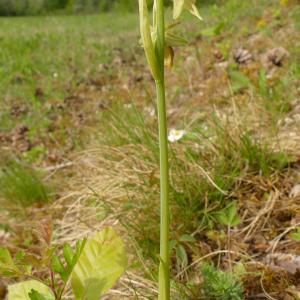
[195, 202]
[22, 186]
[43, 60]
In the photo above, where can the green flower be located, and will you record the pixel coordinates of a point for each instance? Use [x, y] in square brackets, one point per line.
[181, 5]
[149, 33]
[147, 41]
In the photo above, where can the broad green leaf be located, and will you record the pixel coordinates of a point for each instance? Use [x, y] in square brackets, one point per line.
[5, 257]
[21, 291]
[68, 254]
[181, 255]
[228, 216]
[172, 244]
[7, 265]
[187, 238]
[181, 5]
[65, 269]
[101, 263]
[147, 42]
[57, 266]
[35, 295]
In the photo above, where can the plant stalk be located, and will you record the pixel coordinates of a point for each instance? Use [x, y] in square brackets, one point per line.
[164, 266]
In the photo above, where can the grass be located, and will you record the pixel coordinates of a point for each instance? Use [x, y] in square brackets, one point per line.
[43, 61]
[128, 148]
[21, 186]
[238, 148]
[221, 285]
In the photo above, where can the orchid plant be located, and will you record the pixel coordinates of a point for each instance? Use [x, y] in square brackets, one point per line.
[158, 41]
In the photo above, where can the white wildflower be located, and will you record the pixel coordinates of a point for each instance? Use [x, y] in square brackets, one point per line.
[175, 135]
[150, 111]
[128, 105]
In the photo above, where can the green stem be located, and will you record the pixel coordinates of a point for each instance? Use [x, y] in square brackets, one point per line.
[164, 272]
[164, 266]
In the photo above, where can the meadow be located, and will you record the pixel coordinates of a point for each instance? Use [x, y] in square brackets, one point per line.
[79, 146]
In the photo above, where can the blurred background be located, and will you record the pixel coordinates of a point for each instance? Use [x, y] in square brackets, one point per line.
[33, 7]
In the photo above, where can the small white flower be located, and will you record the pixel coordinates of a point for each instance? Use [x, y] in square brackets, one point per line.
[175, 135]
[128, 105]
[55, 75]
[150, 111]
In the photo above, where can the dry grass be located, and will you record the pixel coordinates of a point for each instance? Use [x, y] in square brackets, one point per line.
[241, 145]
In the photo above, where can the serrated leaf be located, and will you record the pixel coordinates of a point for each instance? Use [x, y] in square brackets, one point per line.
[21, 291]
[101, 263]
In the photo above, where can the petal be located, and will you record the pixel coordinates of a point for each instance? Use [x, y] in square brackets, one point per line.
[194, 11]
[181, 5]
[178, 8]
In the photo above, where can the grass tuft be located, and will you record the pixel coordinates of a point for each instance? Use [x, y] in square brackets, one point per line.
[220, 285]
[22, 186]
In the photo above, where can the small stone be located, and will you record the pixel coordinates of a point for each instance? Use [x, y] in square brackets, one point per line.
[296, 117]
[288, 121]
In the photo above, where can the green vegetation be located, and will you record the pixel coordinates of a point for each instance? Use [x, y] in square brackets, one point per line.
[43, 62]
[77, 108]
[221, 285]
[92, 267]
[20, 185]
[35, 7]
